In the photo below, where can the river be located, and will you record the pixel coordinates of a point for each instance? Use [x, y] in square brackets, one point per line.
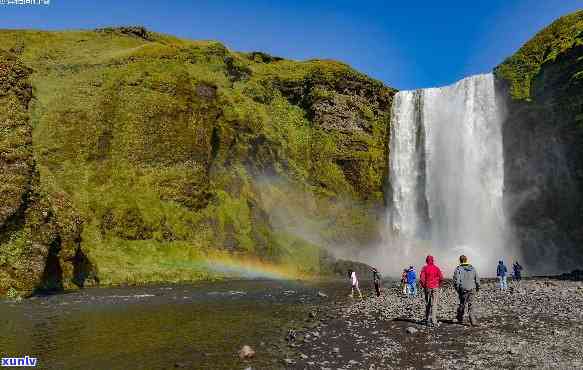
[158, 327]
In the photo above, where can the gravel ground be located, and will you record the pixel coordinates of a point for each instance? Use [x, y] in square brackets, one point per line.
[537, 324]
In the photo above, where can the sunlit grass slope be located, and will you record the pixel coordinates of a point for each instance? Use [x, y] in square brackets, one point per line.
[156, 152]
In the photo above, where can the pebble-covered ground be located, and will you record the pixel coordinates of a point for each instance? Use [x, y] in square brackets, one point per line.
[537, 324]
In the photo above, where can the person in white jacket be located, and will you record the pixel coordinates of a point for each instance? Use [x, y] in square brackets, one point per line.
[354, 282]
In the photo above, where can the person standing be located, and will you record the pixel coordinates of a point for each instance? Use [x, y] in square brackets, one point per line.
[354, 282]
[404, 282]
[430, 279]
[376, 278]
[412, 281]
[501, 272]
[517, 271]
[466, 282]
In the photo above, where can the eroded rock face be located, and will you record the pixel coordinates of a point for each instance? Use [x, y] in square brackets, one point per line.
[543, 151]
[37, 241]
[16, 135]
[25, 230]
[342, 113]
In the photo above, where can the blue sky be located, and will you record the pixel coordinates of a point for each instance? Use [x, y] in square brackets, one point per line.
[406, 44]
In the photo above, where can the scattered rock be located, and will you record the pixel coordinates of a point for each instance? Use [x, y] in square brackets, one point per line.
[291, 335]
[246, 352]
[515, 328]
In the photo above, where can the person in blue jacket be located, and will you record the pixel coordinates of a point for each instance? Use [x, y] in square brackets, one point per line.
[501, 272]
[412, 281]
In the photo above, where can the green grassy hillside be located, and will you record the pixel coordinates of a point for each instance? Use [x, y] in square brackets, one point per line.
[545, 48]
[146, 154]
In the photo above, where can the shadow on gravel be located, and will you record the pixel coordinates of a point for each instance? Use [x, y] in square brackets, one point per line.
[405, 319]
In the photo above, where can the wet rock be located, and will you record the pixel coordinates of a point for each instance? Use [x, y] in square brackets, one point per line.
[514, 351]
[411, 330]
[246, 352]
[291, 335]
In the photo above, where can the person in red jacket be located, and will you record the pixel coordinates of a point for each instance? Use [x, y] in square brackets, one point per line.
[431, 279]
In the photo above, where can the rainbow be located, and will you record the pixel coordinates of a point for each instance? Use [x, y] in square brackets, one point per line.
[251, 268]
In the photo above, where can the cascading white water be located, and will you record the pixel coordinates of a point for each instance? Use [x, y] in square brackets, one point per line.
[405, 162]
[447, 173]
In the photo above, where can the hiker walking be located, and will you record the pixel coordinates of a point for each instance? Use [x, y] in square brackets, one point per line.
[501, 272]
[412, 281]
[517, 271]
[376, 278]
[354, 282]
[404, 282]
[430, 279]
[466, 282]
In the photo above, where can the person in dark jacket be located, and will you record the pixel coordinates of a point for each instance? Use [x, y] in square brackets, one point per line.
[430, 279]
[376, 278]
[517, 271]
[466, 282]
[404, 282]
[501, 272]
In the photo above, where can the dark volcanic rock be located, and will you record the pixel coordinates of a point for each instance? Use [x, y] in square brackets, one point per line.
[537, 323]
[543, 145]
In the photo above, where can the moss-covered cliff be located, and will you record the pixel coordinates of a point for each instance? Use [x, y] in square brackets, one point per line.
[131, 156]
[543, 144]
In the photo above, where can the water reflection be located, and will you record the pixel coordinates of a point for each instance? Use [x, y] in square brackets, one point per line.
[201, 326]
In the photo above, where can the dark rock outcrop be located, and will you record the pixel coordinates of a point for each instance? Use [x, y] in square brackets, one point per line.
[543, 145]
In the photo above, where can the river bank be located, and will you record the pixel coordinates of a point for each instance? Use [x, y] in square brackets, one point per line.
[537, 324]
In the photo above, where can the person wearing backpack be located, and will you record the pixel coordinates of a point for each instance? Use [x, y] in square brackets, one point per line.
[466, 282]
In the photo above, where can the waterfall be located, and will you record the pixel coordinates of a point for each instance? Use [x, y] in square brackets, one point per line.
[447, 173]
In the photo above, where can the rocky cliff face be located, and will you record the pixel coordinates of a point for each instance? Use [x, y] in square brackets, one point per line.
[543, 145]
[130, 156]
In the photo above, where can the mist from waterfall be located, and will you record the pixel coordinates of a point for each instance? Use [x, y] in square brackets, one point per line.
[447, 177]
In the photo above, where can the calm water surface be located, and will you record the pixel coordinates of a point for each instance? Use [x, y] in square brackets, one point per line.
[195, 326]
